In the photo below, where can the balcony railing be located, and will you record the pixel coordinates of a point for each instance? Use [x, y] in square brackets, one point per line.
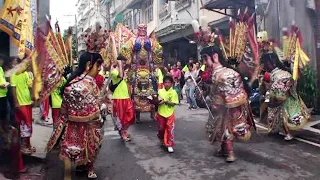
[182, 3]
[163, 13]
[123, 6]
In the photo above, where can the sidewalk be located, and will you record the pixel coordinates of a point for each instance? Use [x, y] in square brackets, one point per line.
[40, 136]
[309, 134]
[35, 162]
[34, 166]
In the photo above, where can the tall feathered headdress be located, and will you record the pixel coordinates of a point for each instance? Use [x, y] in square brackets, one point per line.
[292, 51]
[96, 39]
[241, 45]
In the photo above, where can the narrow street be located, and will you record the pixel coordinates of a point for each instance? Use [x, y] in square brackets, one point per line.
[264, 157]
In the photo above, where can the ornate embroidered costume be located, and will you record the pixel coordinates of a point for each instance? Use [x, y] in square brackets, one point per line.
[230, 114]
[281, 106]
[285, 106]
[142, 53]
[229, 105]
[79, 124]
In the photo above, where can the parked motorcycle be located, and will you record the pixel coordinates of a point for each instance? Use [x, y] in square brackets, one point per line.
[254, 101]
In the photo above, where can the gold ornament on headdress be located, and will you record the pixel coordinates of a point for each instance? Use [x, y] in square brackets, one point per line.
[157, 51]
[242, 44]
[239, 36]
[269, 46]
[292, 50]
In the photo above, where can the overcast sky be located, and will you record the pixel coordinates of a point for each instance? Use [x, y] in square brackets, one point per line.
[59, 9]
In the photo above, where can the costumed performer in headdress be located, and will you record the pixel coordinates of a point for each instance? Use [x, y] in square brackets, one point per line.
[228, 104]
[230, 113]
[285, 108]
[80, 124]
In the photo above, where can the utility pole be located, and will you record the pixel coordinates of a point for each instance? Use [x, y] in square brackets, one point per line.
[76, 29]
[108, 6]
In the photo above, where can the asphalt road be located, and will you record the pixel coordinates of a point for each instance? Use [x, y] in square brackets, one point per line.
[264, 157]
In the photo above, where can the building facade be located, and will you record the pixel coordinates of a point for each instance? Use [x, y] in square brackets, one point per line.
[133, 12]
[171, 20]
[43, 10]
[88, 13]
[279, 14]
[175, 31]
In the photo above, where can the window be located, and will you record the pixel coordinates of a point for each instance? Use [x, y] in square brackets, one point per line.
[136, 18]
[127, 19]
[149, 11]
[165, 10]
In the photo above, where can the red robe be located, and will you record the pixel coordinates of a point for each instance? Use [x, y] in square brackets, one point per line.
[99, 81]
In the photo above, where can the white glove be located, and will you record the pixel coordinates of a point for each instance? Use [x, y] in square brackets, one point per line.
[103, 107]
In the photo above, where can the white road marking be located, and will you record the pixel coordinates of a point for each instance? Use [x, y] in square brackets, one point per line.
[309, 127]
[111, 133]
[296, 138]
[312, 123]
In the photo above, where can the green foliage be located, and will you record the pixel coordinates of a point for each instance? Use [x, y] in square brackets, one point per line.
[307, 86]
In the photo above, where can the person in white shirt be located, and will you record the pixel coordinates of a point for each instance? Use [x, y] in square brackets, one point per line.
[190, 77]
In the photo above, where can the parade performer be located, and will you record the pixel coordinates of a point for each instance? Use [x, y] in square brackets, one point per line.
[23, 111]
[80, 124]
[142, 52]
[44, 109]
[168, 98]
[284, 107]
[123, 109]
[159, 73]
[56, 101]
[3, 94]
[11, 133]
[230, 114]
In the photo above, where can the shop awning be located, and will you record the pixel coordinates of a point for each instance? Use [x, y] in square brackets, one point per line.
[173, 32]
[118, 19]
[135, 4]
[228, 4]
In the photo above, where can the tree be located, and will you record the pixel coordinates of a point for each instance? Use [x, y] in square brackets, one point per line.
[74, 41]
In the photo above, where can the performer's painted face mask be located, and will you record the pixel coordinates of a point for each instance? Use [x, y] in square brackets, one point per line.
[142, 30]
